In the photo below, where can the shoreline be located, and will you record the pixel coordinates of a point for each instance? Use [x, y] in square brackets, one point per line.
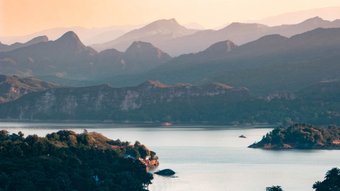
[142, 124]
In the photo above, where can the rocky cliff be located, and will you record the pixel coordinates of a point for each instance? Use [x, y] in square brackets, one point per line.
[149, 101]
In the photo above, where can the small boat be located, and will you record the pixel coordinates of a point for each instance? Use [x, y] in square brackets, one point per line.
[242, 136]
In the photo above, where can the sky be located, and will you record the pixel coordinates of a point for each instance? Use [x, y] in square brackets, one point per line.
[20, 17]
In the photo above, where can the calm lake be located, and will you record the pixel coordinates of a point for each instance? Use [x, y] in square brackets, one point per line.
[210, 157]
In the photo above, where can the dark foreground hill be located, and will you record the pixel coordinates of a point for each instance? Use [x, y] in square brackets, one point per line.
[68, 161]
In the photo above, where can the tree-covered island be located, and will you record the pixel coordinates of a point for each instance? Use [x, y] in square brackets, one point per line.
[300, 136]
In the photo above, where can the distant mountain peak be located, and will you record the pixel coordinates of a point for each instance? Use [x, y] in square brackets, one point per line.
[157, 32]
[145, 49]
[111, 51]
[164, 23]
[271, 38]
[71, 41]
[238, 25]
[138, 46]
[317, 18]
[313, 21]
[220, 48]
[143, 55]
[172, 20]
[38, 39]
[69, 37]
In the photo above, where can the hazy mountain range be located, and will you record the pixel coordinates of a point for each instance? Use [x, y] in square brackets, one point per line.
[270, 79]
[67, 57]
[271, 63]
[158, 32]
[88, 35]
[280, 61]
[328, 13]
[175, 39]
[36, 40]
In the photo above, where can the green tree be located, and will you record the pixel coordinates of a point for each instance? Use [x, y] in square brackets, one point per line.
[331, 182]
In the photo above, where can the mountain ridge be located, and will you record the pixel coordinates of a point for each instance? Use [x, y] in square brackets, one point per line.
[67, 57]
[154, 32]
[283, 63]
[154, 101]
[13, 87]
[239, 33]
[35, 40]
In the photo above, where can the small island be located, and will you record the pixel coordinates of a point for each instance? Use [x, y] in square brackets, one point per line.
[66, 160]
[300, 136]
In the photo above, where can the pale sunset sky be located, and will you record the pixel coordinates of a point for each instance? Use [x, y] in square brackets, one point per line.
[20, 17]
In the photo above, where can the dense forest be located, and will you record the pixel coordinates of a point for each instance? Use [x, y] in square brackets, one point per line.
[68, 161]
[301, 136]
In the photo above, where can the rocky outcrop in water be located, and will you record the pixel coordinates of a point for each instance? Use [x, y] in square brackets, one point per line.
[165, 172]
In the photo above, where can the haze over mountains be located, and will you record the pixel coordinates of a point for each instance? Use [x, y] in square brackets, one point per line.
[160, 31]
[278, 70]
[35, 40]
[67, 57]
[271, 63]
[87, 35]
[328, 13]
[286, 58]
[175, 39]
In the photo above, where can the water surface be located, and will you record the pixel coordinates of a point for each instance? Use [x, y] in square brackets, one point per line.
[210, 157]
